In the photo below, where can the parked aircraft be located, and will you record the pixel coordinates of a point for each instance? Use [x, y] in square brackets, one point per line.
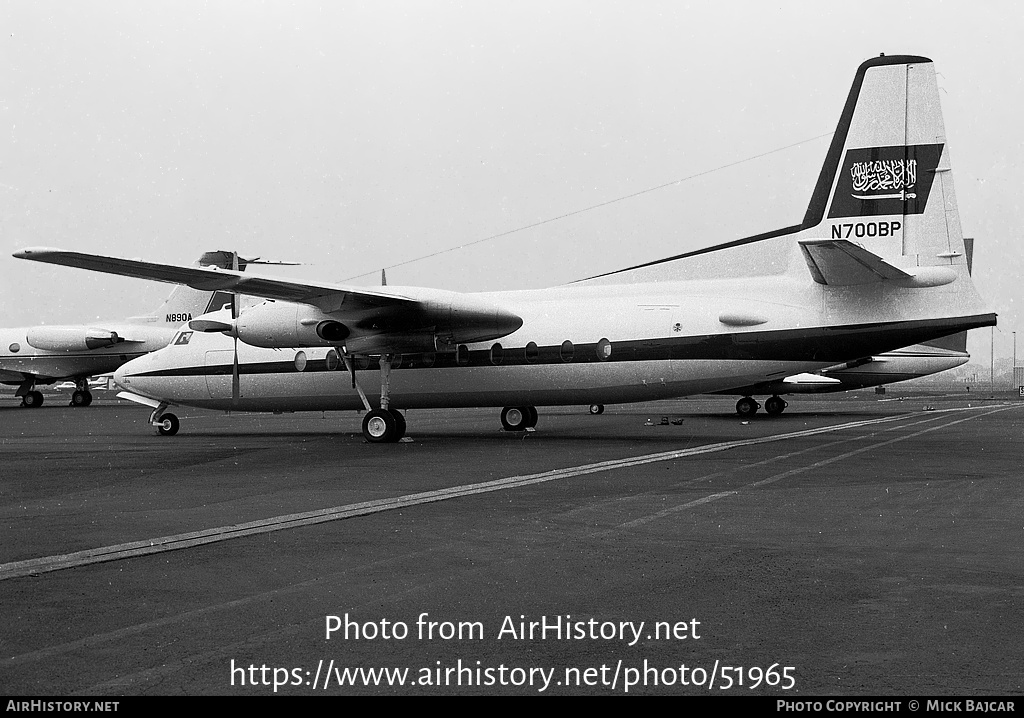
[35, 356]
[876, 264]
[911, 362]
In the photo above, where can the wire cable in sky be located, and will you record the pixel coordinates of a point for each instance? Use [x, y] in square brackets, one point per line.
[592, 207]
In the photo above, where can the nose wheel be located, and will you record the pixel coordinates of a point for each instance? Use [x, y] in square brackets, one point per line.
[167, 425]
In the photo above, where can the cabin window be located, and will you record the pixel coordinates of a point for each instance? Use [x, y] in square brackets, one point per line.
[332, 360]
[15, 347]
[300, 361]
[462, 355]
[496, 354]
[566, 351]
[532, 352]
[604, 350]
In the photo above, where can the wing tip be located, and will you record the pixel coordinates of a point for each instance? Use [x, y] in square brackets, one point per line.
[35, 252]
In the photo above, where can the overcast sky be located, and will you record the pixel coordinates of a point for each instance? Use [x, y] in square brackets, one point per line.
[352, 136]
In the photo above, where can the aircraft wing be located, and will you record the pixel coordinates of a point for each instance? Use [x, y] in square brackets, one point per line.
[329, 297]
[387, 320]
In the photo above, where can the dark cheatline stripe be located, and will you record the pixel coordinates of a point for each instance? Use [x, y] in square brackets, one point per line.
[825, 344]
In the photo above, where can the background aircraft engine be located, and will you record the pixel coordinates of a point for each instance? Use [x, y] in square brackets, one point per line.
[71, 339]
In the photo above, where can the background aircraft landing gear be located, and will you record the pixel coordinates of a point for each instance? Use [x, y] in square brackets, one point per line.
[597, 409]
[519, 418]
[775, 405]
[166, 424]
[81, 398]
[747, 407]
[32, 399]
[383, 426]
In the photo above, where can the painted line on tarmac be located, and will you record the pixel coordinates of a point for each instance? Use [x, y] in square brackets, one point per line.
[45, 564]
[793, 472]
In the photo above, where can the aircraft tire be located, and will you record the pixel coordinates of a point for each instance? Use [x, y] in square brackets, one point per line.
[747, 407]
[399, 423]
[534, 416]
[596, 409]
[380, 427]
[167, 425]
[32, 400]
[775, 405]
[81, 398]
[515, 418]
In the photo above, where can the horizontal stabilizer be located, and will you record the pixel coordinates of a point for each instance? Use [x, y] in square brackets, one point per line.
[840, 262]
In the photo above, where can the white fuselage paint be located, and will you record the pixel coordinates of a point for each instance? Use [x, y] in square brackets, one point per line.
[583, 314]
[19, 358]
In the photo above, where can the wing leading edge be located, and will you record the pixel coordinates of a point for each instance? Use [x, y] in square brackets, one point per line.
[390, 320]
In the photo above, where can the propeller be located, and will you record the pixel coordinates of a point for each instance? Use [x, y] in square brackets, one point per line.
[235, 391]
[221, 258]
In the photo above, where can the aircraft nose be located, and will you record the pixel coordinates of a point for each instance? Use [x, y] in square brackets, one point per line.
[121, 376]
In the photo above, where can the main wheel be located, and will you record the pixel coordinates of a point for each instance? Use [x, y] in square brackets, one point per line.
[167, 425]
[32, 400]
[596, 409]
[399, 423]
[81, 398]
[515, 418]
[747, 407]
[532, 417]
[775, 405]
[380, 426]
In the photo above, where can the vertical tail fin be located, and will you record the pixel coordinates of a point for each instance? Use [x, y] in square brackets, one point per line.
[185, 303]
[886, 181]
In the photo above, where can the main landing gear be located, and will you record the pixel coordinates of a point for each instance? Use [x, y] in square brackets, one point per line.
[81, 396]
[773, 406]
[384, 425]
[32, 399]
[519, 418]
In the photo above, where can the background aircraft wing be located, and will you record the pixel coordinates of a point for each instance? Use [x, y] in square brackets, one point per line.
[328, 297]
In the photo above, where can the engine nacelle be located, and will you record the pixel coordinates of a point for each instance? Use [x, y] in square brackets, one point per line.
[71, 339]
[286, 325]
[421, 322]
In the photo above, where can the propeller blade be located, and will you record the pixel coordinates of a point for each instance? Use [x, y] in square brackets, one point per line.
[210, 325]
[235, 390]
